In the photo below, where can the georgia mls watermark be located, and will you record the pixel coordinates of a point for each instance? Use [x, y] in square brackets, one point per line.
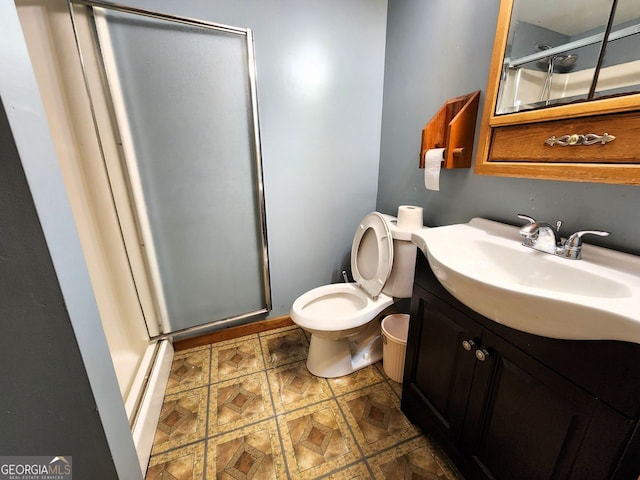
[36, 468]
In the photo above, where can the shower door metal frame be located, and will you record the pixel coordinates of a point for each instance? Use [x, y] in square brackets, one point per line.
[131, 168]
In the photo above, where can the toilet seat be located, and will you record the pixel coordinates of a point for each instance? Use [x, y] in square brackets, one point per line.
[373, 249]
[336, 307]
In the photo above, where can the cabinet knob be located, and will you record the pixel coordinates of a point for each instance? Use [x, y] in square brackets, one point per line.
[482, 354]
[468, 345]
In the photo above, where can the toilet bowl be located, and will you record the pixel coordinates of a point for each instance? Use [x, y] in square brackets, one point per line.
[342, 318]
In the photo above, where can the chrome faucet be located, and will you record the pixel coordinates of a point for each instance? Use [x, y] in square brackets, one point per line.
[546, 238]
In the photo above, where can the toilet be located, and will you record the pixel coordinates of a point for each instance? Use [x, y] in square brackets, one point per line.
[342, 318]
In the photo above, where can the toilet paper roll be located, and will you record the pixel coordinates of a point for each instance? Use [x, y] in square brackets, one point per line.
[432, 163]
[409, 217]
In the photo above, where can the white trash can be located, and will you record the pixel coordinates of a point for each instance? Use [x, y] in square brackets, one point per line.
[395, 330]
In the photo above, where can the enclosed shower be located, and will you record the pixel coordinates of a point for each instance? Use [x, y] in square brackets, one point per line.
[184, 108]
[175, 110]
[562, 63]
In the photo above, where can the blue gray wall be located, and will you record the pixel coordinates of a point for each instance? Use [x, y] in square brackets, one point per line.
[441, 49]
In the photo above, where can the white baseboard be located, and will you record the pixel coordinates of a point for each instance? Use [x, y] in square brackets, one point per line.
[144, 427]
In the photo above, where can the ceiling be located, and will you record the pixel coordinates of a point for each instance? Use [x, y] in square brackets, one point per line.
[571, 17]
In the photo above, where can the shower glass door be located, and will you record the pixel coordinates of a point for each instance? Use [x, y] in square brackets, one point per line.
[184, 100]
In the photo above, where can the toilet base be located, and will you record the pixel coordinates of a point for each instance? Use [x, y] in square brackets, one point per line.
[330, 358]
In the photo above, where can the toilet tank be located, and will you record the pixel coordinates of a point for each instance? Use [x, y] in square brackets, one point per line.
[400, 281]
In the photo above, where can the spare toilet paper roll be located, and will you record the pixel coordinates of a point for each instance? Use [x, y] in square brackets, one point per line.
[409, 217]
[432, 162]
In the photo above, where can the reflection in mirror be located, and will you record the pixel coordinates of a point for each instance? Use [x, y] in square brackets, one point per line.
[552, 52]
[588, 90]
[620, 72]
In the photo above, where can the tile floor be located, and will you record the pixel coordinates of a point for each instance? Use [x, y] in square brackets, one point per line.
[248, 409]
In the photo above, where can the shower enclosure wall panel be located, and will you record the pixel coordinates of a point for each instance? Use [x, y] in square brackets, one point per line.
[48, 32]
[523, 86]
[184, 100]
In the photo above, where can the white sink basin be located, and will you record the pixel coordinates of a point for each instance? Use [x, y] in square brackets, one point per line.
[483, 264]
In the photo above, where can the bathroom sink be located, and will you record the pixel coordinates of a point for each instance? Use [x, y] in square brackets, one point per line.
[483, 264]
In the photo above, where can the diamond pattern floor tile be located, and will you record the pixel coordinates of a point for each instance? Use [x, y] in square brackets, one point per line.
[251, 453]
[362, 378]
[413, 459]
[238, 402]
[182, 419]
[190, 369]
[234, 358]
[249, 409]
[375, 418]
[294, 387]
[184, 463]
[316, 440]
[285, 346]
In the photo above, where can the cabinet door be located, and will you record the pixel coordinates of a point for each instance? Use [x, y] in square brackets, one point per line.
[525, 421]
[438, 369]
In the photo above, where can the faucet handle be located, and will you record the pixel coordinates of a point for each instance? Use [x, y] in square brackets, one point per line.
[572, 248]
[575, 240]
[528, 232]
[527, 218]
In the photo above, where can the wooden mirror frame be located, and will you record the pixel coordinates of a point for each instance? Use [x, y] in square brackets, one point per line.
[513, 144]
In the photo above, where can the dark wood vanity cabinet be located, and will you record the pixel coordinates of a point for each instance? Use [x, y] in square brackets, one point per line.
[503, 404]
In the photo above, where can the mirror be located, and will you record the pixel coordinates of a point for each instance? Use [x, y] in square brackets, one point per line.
[553, 51]
[620, 71]
[563, 96]
[542, 55]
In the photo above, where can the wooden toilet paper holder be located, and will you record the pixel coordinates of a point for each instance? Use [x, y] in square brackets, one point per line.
[453, 128]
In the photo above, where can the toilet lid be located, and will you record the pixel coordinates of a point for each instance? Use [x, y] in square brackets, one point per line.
[372, 254]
